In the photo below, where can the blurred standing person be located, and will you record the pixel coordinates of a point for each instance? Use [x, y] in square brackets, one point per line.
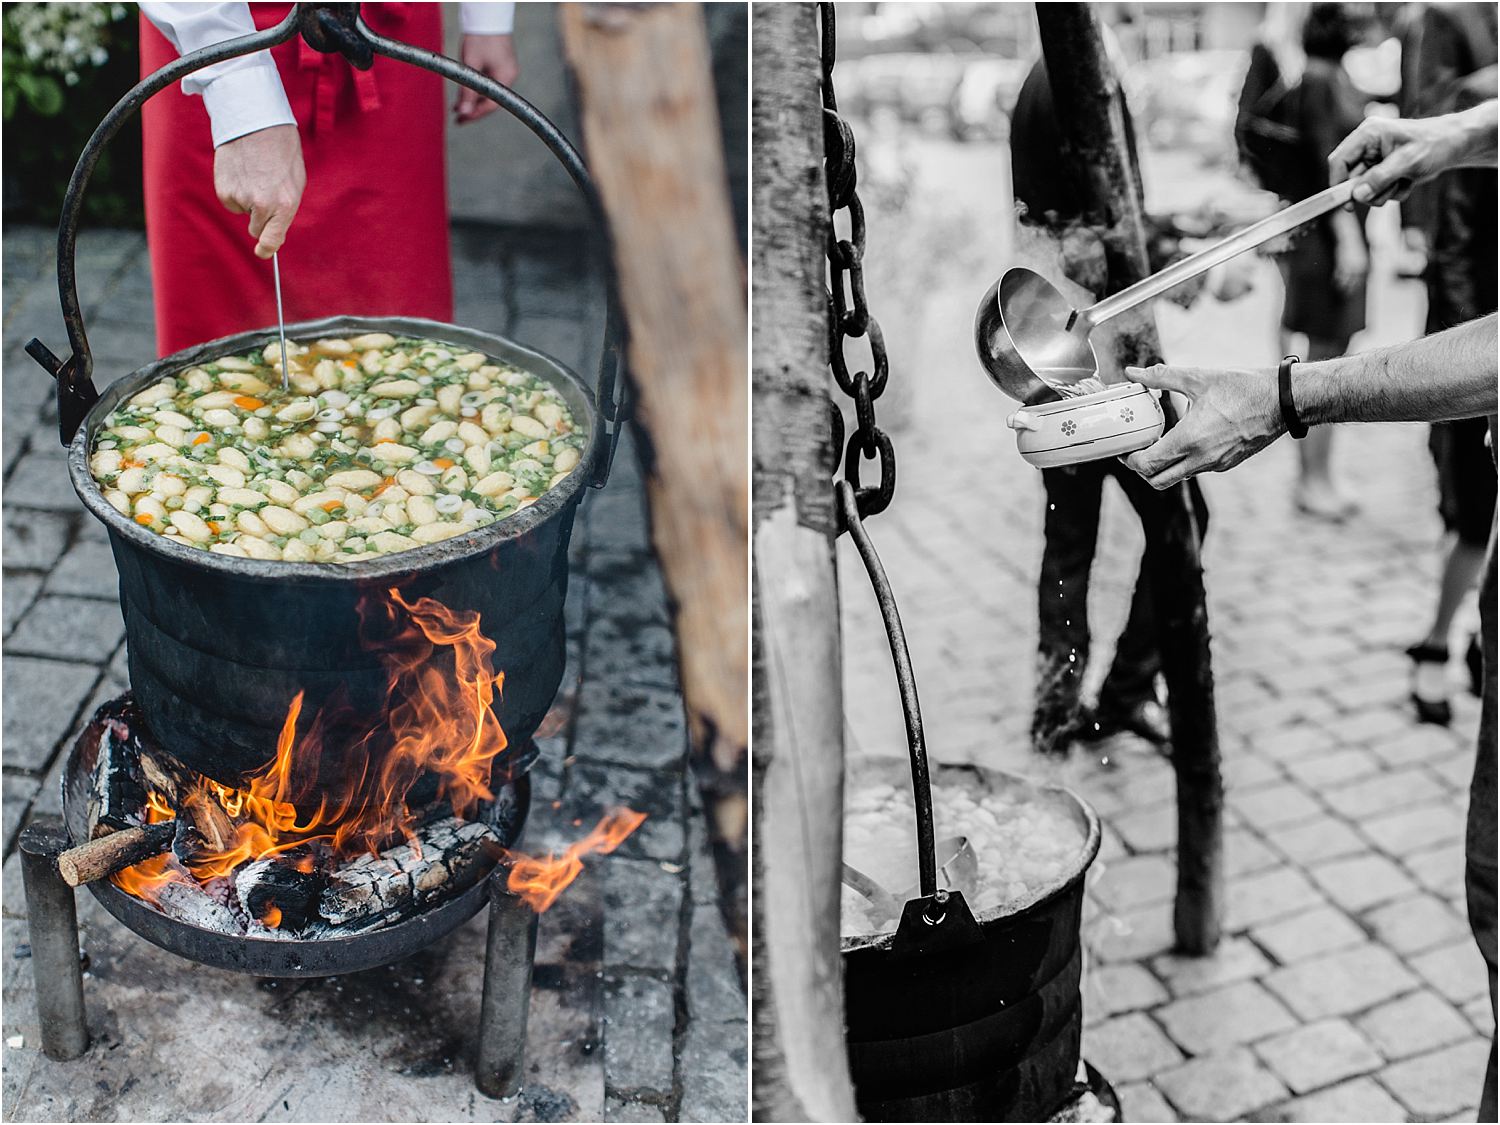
[355, 156]
[1461, 285]
[1327, 263]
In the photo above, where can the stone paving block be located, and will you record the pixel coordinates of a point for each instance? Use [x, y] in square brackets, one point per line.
[1267, 895]
[1359, 1099]
[1245, 853]
[33, 540]
[1341, 983]
[78, 629]
[1410, 744]
[1111, 990]
[86, 570]
[1301, 741]
[1129, 1047]
[1456, 970]
[1220, 1087]
[1318, 840]
[713, 987]
[18, 794]
[1382, 793]
[632, 653]
[1307, 934]
[1362, 881]
[1410, 925]
[638, 1021]
[1275, 806]
[1137, 881]
[1141, 1101]
[19, 592]
[1412, 830]
[1132, 935]
[1318, 1054]
[1148, 830]
[631, 724]
[41, 698]
[1236, 959]
[1440, 870]
[714, 1066]
[1481, 1015]
[39, 483]
[621, 1109]
[593, 786]
[642, 915]
[1226, 1017]
[1414, 1023]
[1440, 1082]
[1455, 771]
[1336, 767]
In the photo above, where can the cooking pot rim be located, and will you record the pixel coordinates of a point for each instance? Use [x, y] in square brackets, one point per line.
[476, 543]
[894, 770]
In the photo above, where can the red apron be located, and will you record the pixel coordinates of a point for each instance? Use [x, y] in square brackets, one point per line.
[371, 236]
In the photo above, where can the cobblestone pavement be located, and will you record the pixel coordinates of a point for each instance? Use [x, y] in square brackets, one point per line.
[1347, 986]
[638, 1012]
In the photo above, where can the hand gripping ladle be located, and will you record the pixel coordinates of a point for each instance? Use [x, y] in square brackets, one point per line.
[1035, 346]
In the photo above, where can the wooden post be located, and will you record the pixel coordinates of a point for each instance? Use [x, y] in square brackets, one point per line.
[800, 1064]
[646, 96]
[1092, 119]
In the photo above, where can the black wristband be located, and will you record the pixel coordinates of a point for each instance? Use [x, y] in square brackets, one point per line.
[1294, 424]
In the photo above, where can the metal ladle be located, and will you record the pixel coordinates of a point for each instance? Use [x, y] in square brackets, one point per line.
[1035, 346]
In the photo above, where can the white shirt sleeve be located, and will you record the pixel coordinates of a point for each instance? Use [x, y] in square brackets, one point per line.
[487, 18]
[242, 95]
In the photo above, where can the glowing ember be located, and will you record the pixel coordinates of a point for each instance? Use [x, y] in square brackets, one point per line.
[438, 720]
[539, 881]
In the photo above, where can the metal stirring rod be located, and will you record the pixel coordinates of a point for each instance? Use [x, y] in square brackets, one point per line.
[280, 324]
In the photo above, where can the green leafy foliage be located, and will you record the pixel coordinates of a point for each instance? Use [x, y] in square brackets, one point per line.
[64, 66]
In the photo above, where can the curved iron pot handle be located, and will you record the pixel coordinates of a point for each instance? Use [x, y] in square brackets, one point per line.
[328, 28]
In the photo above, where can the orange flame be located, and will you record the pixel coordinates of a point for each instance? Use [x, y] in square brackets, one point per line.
[541, 880]
[438, 719]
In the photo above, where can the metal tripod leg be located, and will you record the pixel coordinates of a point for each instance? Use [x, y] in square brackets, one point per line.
[52, 918]
[508, 961]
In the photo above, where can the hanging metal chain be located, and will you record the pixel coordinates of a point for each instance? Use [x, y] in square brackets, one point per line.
[848, 314]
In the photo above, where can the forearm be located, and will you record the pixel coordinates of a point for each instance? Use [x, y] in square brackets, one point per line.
[1478, 128]
[1439, 378]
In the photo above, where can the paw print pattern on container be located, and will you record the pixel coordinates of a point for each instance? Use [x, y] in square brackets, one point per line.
[1069, 428]
[1126, 414]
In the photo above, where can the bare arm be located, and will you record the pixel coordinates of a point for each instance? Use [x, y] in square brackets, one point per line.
[1439, 378]
[1236, 413]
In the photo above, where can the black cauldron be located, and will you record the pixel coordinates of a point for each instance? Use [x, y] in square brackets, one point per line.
[984, 1030]
[219, 646]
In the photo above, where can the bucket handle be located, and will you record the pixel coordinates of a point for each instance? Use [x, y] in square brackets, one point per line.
[938, 919]
[328, 28]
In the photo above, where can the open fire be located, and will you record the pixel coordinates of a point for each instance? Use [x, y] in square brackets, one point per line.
[339, 830]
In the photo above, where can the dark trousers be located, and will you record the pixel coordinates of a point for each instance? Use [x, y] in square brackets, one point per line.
[1071, 535]
[1481, 837]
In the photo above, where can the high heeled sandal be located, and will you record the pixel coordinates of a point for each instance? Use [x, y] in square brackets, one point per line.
[1429, 710]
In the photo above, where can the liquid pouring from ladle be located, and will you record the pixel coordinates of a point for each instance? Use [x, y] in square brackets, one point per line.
[1035, 346]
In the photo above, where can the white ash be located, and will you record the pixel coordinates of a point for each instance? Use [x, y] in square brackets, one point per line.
[1022, 842]
[188, 902]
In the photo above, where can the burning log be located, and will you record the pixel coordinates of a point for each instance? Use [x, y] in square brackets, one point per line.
[103, 856]
[278, 893]
[117, 796]
[164, 775]
[188, 902]
[203, 828]
[451, 852]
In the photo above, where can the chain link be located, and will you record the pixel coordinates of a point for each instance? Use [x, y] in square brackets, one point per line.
[848, 313]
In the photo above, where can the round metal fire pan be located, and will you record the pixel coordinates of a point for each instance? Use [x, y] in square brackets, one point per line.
[274, 957]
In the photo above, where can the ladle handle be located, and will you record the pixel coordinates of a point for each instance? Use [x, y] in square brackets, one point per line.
[1274, 226]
